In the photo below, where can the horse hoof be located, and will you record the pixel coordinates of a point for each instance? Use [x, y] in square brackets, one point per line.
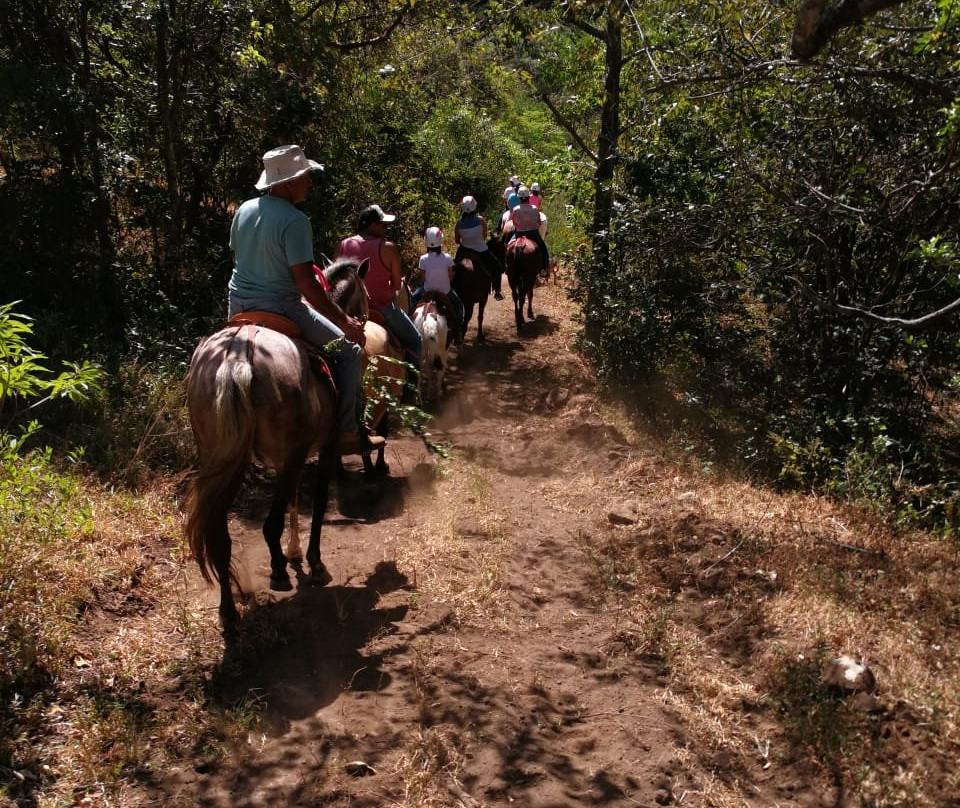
[319, 576]
[230, 621]
[280, 583]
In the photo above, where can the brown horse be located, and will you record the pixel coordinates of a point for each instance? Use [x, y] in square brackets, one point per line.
[384, 369]
[523, 268]
[253, 393]
[472, 285]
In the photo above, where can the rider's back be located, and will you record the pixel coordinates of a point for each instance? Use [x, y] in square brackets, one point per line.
[525, 217]
[470, 229]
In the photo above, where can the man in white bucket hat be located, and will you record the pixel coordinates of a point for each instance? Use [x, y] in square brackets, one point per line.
[272, 246]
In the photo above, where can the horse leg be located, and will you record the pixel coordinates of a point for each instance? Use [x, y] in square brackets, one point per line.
[287, 479]
[207, 531]
[480, 307]
[294, 550]
[380, 469]
[368, 469]
[383, 430]
[517, 305]
[218, 553]
[319, 576]
[530, 303]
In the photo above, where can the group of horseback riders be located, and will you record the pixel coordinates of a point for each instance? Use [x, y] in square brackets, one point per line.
[521, 217]
[275, 271]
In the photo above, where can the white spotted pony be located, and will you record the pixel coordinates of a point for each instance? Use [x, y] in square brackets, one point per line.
[432, 325]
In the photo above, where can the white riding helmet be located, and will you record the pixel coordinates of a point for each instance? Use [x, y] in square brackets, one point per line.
[523, 192]
[514, 180]
[433, 237]
[535, 187]
[468, 204]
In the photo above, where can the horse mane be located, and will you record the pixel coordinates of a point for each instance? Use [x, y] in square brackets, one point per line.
[346, 287]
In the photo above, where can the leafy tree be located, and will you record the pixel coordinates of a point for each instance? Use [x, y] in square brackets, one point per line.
[24, 378]
[779, 226]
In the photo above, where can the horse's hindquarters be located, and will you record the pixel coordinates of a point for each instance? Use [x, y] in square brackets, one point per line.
[433, 329]
[252, 392]
[257, 379]
[523, 267]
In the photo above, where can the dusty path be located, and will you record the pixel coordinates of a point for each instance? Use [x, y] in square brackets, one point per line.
[475, 648]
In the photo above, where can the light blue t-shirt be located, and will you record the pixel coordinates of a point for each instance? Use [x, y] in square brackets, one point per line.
[268, 236]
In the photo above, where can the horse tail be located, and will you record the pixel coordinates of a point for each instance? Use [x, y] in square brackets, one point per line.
[431, 332]
[224, 433]
[434, 339]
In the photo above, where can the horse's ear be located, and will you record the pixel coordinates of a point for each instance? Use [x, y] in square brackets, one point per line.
[364, 266]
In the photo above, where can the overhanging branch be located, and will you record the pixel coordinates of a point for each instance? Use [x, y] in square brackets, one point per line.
[916, 323]
[375, 40]
[909, 324]
[818, 21]
[561, 119]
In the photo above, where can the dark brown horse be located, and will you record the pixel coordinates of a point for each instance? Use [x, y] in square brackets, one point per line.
[523, 267]
[498, 249]
[253, 393]
[472, 284]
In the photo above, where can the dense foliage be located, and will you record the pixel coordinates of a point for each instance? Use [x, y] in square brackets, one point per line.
[776, 229]
[751, 219]
[130, 129]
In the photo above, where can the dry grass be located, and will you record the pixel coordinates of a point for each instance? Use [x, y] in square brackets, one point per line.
[794, 581]
[738, 594]
[451, 568]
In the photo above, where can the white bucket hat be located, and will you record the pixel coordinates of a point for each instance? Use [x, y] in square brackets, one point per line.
[283, 164]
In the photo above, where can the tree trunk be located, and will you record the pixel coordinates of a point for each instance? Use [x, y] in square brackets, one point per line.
[168, 60]
[603, 181]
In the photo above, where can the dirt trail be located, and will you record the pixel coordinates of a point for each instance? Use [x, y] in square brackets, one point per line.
[473, 648]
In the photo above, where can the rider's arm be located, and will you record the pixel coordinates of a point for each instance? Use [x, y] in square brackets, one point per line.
[390, 256]
[456, 233]
[314, 294]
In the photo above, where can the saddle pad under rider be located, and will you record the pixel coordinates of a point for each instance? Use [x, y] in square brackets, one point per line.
[284, 325]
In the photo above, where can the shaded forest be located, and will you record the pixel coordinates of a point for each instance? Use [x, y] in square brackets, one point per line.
[755, 206]
[764, 246]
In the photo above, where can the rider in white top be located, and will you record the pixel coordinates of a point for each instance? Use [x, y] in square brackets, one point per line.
[437, 268]
[511, 188]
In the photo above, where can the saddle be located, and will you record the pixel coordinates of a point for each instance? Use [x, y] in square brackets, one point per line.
[319, 363]
[442, 301]
[465, 254]
[376, 316]
[522, 243]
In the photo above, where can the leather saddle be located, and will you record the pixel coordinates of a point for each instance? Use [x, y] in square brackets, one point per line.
[319, 363]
